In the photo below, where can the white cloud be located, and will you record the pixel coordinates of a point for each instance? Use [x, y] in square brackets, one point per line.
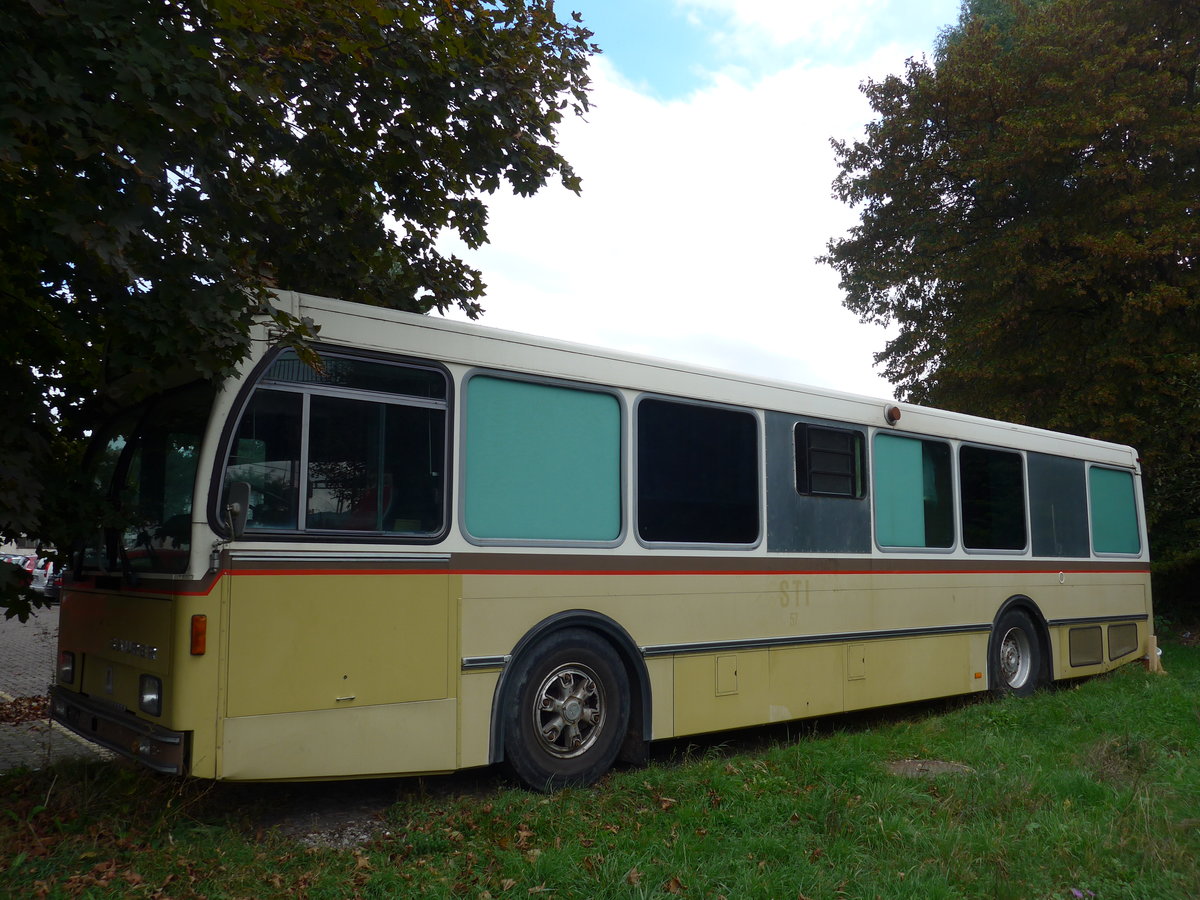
[697, 230]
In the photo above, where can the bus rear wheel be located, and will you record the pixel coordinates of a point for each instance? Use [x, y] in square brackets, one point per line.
[1015, 656]
[567, 712]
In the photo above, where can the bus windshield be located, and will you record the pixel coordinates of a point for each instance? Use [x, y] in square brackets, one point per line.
[152, 455]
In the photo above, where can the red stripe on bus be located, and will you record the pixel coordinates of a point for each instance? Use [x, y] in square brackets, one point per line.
[681, 572]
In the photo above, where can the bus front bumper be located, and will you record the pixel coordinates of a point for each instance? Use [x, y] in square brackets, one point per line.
[151, 745]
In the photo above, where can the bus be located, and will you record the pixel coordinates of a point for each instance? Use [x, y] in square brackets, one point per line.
[450, 546]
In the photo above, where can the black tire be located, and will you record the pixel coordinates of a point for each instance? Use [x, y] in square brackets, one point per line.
[566, 711]
[1015, 656]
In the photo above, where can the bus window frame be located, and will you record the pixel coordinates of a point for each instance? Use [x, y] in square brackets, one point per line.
[256, 378]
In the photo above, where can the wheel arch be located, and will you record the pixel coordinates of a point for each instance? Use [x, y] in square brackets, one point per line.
[1025, 604]
[627, 651]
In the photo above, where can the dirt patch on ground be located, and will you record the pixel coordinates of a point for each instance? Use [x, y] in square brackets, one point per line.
[341, 814]
[927, 768]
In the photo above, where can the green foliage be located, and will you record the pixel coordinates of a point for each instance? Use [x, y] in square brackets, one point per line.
[1028, 224]
[1177, 592]
[1086, 789]
[164, 165]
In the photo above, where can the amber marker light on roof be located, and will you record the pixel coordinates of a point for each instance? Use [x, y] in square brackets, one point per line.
[199, 635]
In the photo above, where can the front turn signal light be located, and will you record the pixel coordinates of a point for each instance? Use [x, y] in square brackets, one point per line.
[199, 635]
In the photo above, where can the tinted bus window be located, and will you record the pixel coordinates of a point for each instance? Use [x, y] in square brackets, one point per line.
[992, 486]
[1058, 505]
[697, 474]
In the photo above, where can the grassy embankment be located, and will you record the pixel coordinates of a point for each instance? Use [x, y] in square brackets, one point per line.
[1088, 790]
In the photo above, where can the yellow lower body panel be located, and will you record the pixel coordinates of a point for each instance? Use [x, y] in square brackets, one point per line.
[407, 738]
[718, 691]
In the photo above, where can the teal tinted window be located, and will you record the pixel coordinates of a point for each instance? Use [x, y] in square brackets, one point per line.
[543, 462]
[913, 502]
[1114, 512]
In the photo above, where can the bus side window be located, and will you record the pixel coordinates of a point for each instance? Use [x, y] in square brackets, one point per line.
[266, 455]
[1114, 511]
[992, 488]
[914, 506]
[542, 462]
[697, 479]
[1058, 506]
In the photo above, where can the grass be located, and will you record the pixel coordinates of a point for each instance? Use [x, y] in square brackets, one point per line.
[1086, 790]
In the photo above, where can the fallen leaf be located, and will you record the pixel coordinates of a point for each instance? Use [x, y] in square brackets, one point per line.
[24, 709]
[524, 833]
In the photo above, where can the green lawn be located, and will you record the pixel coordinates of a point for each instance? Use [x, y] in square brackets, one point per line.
[1088, 790]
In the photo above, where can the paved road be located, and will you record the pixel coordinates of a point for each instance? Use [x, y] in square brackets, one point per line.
[27, 653]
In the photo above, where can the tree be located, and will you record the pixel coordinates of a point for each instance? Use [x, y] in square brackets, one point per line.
[165, 163]
[1029, 222]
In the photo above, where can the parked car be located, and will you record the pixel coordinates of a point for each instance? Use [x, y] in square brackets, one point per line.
[54, 585]
[24, 566]
[42, 575]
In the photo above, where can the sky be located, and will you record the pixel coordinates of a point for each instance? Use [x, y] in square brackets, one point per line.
[707, 174]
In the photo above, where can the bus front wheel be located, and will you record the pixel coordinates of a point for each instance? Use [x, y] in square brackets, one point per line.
[1015, 656]
[567, 712]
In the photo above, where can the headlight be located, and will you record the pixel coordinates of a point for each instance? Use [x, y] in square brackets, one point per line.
[150, 695]
[66, 667]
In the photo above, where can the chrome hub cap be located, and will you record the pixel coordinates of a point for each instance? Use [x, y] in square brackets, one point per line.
[568, 711]
[1014, 657]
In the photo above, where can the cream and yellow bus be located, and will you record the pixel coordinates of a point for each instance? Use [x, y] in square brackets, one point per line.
[455, 546]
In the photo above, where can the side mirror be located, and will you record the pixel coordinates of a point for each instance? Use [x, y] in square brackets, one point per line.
[237, 507]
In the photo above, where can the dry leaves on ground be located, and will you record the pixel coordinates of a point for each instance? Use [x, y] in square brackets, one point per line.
[24, 709]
